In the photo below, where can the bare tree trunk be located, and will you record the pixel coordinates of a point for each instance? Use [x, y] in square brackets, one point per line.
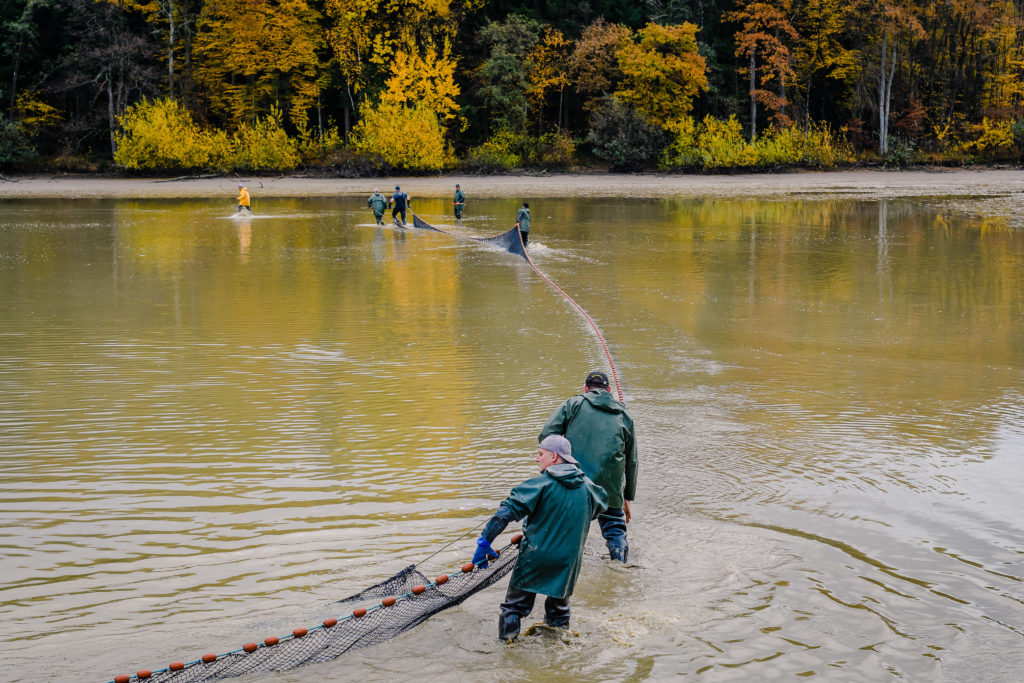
[885, 92]
[168, 8]
[753, 100]
[110, 109]
[560, 92]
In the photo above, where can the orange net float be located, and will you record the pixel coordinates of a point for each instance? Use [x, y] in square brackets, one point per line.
[271, 641]
[468, 567]
[144, 674]
[515, 539]
[123, 678]
[299, 632]
[328, 623]
[209, 658]
[441, 579]
[361, 612]
[418, 590]
[176, 666]
[388, 602]
[250, 647]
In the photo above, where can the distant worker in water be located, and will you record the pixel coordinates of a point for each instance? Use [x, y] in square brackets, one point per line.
[523, 222]
[401, 202]
[459, 202]
[558, 505]
[243, 201]
[602, 437]
[378, 203]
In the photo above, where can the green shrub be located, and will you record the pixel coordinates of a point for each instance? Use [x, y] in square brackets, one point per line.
[622, 136]
[14, 145]
[264, 145]
[500, 152]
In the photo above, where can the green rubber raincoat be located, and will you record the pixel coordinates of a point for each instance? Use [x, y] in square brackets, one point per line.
[603, 441]
[558, 506]
[523, 219]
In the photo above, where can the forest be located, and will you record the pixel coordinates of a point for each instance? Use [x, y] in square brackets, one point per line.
[362, 87]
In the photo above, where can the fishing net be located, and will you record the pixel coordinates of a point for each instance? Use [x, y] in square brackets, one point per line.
[510, 240]
[403, 601]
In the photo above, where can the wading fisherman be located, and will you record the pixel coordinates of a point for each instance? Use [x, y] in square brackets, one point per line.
[603, 441]
[460, 201]
[244, 201]
[378, 203]
[558, 506]
[523, 222]
[401, 201]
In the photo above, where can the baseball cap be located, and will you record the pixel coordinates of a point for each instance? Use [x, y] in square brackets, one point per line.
[561, 446]
[597, 379]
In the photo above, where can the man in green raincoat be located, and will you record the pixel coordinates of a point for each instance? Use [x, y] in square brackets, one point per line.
[523, 222]
[558, 506]
[602, 437]
[378, 203]
[459, 201]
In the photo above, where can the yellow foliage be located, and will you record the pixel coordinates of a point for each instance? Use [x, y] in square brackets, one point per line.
[264, 145]
[721, 144]
[161, 134]
[251, 54]
[814, 146]
[35, 115]
[407, 137]
[427, 81]
[662, 72]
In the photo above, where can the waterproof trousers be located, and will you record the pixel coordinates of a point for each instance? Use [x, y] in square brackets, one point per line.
[396, 211]
[519, 604]
[613, 528]
[526, 237]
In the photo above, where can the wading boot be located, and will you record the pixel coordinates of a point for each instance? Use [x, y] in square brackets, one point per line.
[508, 626]
[556, 612]
[619, 554]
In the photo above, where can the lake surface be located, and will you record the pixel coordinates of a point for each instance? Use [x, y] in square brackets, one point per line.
[210, 428]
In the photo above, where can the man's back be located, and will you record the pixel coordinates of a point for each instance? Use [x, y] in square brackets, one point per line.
[601, 433]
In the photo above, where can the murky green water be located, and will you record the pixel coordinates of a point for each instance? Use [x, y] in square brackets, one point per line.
[211, 428]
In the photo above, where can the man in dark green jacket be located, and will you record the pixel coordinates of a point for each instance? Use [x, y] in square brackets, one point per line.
[459, 202]
[523, 222]
[378, 203]
[558, 506]
[602, 437]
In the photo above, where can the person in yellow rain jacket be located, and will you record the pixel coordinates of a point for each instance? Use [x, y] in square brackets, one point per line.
[244, 201]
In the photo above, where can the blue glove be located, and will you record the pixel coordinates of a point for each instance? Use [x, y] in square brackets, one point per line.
[484, 552]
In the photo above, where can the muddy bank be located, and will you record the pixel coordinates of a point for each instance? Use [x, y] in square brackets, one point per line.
[1005, 184]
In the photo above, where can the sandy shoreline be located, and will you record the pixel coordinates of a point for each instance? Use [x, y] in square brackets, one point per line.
[868, 183]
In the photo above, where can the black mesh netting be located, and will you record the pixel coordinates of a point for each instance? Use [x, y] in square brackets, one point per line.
[379, 624]
[509, 241]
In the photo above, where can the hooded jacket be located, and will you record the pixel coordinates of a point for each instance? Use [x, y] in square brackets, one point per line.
[558, 506]
[377, 202]
[523, 219]
[603, 441]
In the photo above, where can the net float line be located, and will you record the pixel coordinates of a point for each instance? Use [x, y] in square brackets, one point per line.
[405, 600]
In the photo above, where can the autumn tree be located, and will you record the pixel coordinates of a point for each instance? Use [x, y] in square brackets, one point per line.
[549, 70]
[254, 54]
[764, 30]
[593, 63]
[503, 78]
[821, 55]
[377, 42]
[662, 72]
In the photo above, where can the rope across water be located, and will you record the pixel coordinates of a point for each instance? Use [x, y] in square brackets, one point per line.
[512, 241]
